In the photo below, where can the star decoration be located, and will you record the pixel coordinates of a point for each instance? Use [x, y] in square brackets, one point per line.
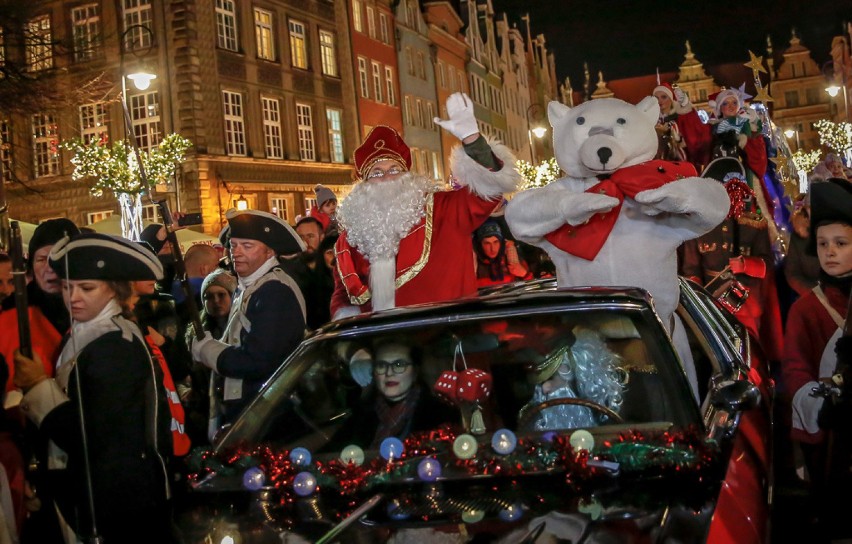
[763, 96]
[756, 63]
[780, 163]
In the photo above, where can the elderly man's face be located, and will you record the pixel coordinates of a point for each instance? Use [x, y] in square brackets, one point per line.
[385, 171]
[44, 276]
[490, 246]
[248, 255]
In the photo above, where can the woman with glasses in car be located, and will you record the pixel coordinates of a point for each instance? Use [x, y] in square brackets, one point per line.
[395, 403]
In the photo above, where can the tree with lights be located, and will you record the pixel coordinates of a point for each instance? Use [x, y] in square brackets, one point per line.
[837, 137]
[538, 176]
[114, 168]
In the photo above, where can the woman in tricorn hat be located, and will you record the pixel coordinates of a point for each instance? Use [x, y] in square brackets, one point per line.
[106, 371]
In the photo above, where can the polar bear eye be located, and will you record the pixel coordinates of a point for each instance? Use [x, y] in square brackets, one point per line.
[581, 120]
[621, 121]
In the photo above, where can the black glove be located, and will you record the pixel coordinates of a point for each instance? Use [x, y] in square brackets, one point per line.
[729, 138]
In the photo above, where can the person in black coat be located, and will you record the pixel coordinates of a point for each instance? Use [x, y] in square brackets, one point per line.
[106, 368]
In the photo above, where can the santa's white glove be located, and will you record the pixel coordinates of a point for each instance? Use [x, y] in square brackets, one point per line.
[462, 122]
[206, 351]
[681, 98]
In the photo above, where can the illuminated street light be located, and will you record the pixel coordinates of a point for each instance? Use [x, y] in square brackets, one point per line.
[789, 133]
[538, 130]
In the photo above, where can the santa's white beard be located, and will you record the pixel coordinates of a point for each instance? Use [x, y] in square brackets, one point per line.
[376, 216]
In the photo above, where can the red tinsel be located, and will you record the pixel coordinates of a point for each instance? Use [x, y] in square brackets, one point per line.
[739, 192]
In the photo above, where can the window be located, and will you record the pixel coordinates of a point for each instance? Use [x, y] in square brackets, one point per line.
[309, 204]
[791, 98]
[437, 167]
[409, 61]
[411, 14]
[419, 113]
[263, 34]
[235, 132]
[278, 206]
[45, 145]
[145, 117]
[94, 217]
[409, 117]
[273, 143]
[86, 22]
[151, 212]
[93, 122]
[137, 17]
[377, 81]
[5, 151]
[389, 82]
[371, 22]
[430, 115]
[383, 28]
[452, 74]
[298, 50]
[226, 24]
[421, 65]
[305, 123]
[328, 53]
[357, 20]
[812, 96]
[335, 134]
[441, 81]
[39, 49]
[363, 78]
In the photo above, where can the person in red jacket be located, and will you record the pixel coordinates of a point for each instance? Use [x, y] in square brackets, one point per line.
[681, 133]
[404, 240]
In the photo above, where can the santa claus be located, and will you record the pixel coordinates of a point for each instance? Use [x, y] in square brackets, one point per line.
[405, 240]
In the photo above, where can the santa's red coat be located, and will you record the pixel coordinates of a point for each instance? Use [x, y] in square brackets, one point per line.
[435, 261]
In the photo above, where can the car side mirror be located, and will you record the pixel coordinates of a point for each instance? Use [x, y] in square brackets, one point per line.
[735, 396]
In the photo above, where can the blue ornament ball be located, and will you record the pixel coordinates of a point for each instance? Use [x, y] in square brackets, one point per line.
[504, 441]
[549, 436]
[300, 457]
[512, 513]
[304, 483]
[391, 448]
[395, 512]
[253, 478]
[429, 469]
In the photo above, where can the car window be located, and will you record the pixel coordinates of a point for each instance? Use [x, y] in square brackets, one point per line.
[531, 373]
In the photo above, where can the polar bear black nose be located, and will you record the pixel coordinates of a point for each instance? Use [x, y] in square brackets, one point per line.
[604, 153]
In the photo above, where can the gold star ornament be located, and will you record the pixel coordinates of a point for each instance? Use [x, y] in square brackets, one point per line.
[780, 163]
[763, 96]
[756, 63]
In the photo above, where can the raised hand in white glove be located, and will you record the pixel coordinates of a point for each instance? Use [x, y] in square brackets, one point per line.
[462, 122]
[681, 98]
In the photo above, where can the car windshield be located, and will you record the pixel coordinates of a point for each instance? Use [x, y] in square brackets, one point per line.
[533, 372]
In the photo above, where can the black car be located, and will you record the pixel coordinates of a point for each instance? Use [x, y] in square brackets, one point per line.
[526, 414]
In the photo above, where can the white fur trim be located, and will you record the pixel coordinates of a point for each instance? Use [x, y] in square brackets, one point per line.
[480, 180]
[383, 284]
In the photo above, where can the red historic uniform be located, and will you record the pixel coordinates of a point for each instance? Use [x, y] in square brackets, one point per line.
[809, 329]
[435, 261]
[45, 340]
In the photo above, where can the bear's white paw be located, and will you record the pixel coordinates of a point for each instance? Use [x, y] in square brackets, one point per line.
[678, 197]
[580, 207]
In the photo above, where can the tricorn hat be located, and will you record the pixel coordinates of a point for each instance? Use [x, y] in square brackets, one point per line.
[382, 144]
[267, 228]
[95, 256]
[831, 202]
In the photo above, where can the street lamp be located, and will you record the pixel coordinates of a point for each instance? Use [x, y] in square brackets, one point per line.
[789, 133]
[539, 131]
[834, 89]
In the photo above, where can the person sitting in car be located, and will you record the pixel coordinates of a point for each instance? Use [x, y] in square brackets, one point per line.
[396, 402]
[582, 368]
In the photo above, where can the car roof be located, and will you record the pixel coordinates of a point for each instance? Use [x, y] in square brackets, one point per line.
[532, 294]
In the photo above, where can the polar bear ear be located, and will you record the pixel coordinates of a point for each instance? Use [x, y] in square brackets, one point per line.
[650, 108]
[556, 111]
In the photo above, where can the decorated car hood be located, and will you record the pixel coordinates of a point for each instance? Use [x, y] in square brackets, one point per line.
[564, 484]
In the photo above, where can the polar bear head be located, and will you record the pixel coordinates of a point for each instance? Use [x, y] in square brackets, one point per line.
[603, 135]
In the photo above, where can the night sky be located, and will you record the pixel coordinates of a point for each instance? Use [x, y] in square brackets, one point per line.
[627, 38]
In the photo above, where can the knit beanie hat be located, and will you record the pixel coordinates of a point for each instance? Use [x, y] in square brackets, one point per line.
[50, 232]
[324, 194]
[220, 278]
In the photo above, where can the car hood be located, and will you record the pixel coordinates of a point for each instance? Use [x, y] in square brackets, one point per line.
[637, 506]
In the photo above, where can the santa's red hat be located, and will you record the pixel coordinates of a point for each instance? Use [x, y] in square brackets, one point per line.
[382, 144]
[666, 88]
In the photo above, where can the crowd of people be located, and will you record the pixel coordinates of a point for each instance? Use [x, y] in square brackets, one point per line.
[118, 358]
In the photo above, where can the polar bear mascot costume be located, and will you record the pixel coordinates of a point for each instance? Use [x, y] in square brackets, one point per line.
[618, 217]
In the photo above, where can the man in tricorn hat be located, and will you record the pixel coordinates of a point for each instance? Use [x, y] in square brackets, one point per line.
[267, 319]
[404, 240]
